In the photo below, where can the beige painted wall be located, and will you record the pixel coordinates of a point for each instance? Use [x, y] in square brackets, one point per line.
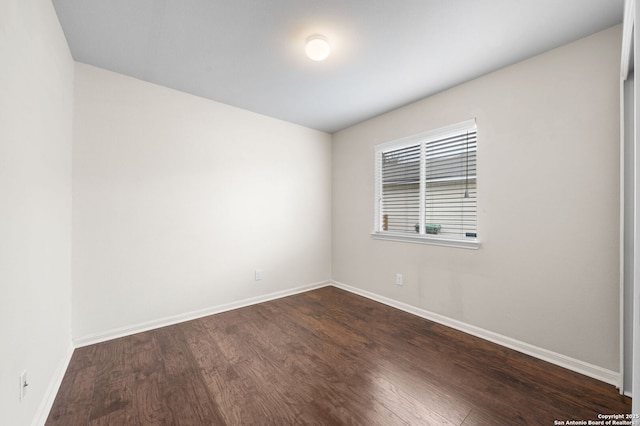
[36, 95]
[178, 199]
[547, 273]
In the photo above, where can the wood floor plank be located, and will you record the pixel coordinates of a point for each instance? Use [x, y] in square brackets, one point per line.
[149, 382]
[232, 390]
[372, 357]
[185, 394]
[325, 357]
[75, 395]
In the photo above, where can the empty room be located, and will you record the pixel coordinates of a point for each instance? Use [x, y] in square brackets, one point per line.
[413, 212]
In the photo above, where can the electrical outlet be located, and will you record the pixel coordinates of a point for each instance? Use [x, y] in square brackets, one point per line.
[23, 384]
[399, 279]
[258, 274]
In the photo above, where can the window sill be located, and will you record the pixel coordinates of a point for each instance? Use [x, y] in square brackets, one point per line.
[472, 244]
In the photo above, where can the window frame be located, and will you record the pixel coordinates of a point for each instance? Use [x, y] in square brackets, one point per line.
[421, 138]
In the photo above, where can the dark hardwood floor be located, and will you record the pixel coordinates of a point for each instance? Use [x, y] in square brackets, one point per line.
[325, 357]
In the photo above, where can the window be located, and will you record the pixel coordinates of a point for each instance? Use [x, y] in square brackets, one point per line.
[426, 187]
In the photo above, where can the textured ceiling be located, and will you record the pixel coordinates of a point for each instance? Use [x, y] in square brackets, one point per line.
[385, 53]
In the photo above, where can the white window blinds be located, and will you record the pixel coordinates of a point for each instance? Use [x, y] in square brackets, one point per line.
[401, 188]
[426, 185]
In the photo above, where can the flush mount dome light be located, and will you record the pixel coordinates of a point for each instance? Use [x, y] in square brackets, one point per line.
[318, 48]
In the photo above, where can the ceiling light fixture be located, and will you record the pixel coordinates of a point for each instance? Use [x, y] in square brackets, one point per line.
[318, 48]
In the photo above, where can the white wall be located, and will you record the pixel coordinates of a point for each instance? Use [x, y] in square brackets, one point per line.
[178, 199]
[36, 95]
[547, 273]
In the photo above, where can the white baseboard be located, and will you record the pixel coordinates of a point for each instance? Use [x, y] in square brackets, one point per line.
[594, 371]
[52, 390]
[573, 364]
[188, 316]
[569, 363]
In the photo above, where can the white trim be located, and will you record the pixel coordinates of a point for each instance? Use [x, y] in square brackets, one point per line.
[426, 239]
[573, 364]
[627, 52]
[377, 205]
[627, 37]
[422, 196]
[52, 390]
[442, 132]
[621, 283]
[635, 368]
[188, 316]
